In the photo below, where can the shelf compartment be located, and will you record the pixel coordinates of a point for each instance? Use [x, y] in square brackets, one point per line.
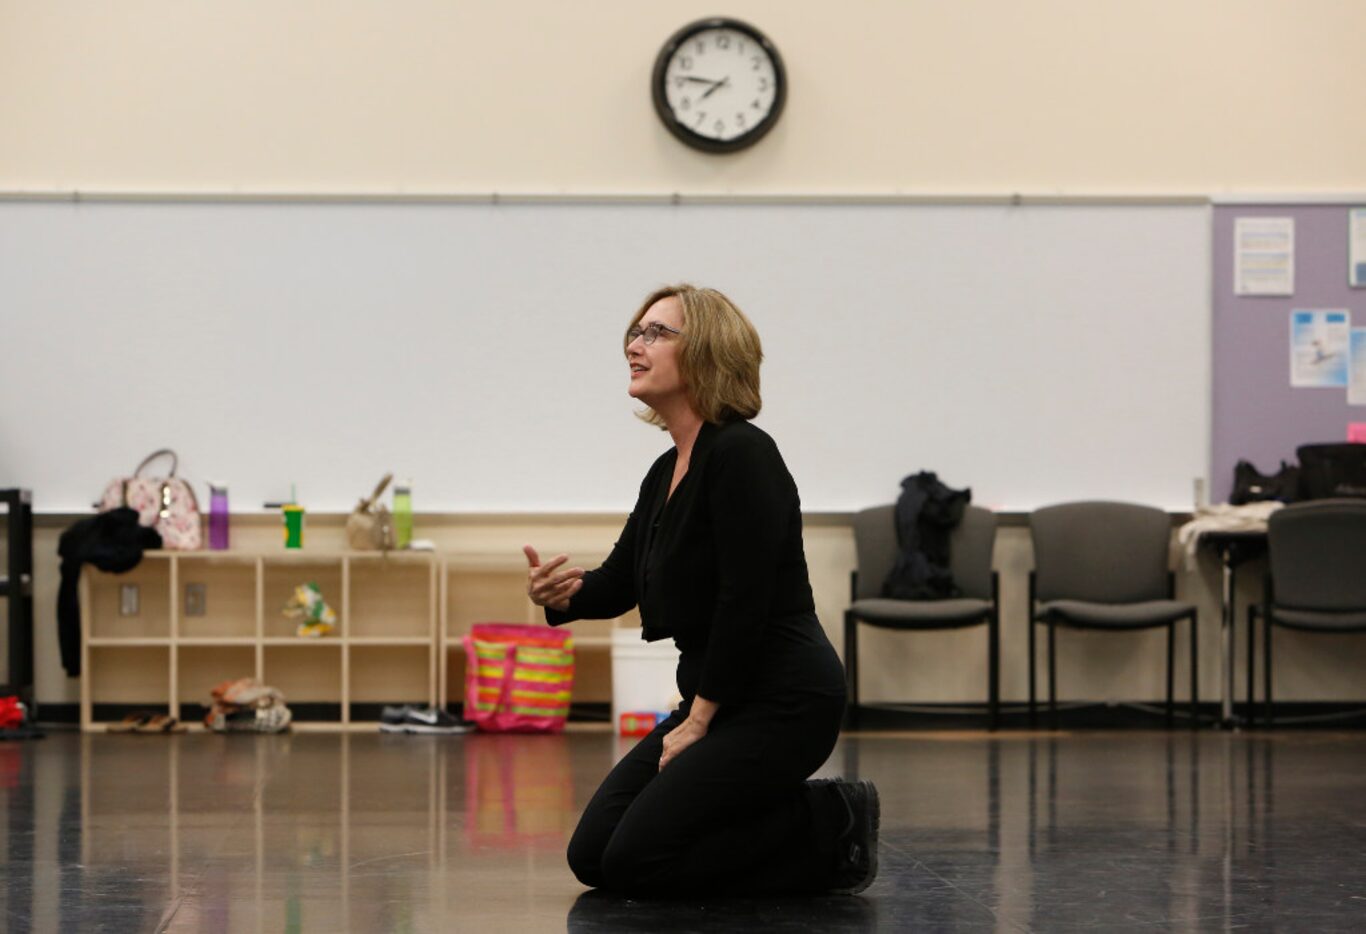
[305, 674]
[201, 668]
[455, 673]
[390, 597]
[486, 596]
[391, 675]
[592, 673]
[130, 676]
[229, 589]
[153, 619]
[280, 579]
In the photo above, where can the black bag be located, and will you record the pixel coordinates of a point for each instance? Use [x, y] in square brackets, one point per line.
[1332, 470]
[1252, 486]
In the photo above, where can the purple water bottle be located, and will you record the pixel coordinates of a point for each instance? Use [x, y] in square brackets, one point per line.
[218, 518]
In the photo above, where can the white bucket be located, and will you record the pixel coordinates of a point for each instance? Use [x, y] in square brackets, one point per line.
[642, 675]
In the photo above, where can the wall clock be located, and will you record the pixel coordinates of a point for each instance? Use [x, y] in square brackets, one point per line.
[719, 85]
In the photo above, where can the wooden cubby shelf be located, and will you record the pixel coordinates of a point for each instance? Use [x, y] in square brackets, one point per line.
[209, 617]
[194, 619]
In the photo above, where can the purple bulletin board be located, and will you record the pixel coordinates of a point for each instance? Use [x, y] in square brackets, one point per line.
[1256, 414]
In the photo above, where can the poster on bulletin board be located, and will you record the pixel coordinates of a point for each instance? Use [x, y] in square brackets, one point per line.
[1318, 348]
[1356, 250]
[1264, 256]
[1356, 381]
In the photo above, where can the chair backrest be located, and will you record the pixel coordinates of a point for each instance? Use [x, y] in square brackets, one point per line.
[971, 545]
[1101, 552]
[1318, 554]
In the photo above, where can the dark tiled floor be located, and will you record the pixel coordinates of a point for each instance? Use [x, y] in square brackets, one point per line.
[1020, 832]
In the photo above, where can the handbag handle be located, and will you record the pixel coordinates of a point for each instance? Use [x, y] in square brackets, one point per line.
[379, 488]
[175, 461]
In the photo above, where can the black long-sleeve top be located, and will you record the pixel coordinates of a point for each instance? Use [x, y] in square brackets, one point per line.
[713, 565]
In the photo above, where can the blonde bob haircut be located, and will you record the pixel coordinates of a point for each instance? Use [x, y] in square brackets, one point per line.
[719, 355]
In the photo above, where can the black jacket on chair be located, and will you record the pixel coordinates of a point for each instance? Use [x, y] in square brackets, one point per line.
[926, 513]
[713, 565]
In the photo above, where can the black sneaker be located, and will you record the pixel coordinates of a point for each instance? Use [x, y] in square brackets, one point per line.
[856, 848]
[391, 719]
[431, 720]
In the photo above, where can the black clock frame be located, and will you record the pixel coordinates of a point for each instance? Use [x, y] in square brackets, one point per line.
[697, 140]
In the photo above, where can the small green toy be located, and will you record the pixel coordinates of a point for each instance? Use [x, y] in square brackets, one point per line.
[307, 606]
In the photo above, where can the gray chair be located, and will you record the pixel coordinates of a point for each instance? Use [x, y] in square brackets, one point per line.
[970, 555]
[1104, 567]
[1317, 579]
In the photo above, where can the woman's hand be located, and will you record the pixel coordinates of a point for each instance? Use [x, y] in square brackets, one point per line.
[689, 731]
[547, 588]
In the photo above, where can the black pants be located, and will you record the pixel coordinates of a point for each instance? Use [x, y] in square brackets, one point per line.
[733, 813]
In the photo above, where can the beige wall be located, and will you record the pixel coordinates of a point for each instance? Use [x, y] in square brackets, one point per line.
[544, 96]
[917, 96]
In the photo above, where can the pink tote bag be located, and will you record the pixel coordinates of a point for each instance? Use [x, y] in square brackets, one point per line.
[518, 678]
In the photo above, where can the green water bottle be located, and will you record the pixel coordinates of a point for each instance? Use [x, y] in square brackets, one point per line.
[403, 515]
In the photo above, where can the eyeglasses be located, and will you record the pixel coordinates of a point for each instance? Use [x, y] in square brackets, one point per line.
[650, 332]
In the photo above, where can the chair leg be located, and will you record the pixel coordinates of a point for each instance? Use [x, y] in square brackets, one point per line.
[1030, 624]
[1266, 670]
[1251, 712]
[1052, 677]
[1195, 671]
[994, 668]
[851, 669]
[1171, 657]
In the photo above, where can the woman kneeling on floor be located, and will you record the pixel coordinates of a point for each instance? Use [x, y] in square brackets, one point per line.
[716, 799]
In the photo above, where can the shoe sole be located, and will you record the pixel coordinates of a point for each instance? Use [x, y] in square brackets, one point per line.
[875, 822]
[433, 730]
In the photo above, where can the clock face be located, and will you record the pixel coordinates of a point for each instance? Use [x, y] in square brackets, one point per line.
[719, 85]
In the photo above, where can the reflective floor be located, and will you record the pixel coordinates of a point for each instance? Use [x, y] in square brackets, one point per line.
[1017, 832]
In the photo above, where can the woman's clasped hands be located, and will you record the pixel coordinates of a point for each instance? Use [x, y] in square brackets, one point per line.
[546, 585]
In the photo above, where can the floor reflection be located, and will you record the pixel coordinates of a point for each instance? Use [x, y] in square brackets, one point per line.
[356, 832]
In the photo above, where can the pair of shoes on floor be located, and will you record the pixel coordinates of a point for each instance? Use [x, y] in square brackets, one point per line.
[856, 847]
[409, 719]
[147, 722]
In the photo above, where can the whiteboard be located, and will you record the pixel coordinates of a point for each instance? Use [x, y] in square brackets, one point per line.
[1034, 353]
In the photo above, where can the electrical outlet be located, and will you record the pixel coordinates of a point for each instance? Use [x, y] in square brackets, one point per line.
[196, 601]
[128, 600]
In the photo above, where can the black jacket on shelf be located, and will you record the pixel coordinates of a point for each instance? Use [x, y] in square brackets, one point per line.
[926, 513]
[112, 541]
[714, 565]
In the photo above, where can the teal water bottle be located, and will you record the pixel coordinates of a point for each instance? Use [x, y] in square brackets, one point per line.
[403, 515]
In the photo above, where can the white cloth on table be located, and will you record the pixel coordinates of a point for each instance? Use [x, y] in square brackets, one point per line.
[1223, 517]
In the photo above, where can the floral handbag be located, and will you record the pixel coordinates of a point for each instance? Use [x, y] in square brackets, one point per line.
[167, 504]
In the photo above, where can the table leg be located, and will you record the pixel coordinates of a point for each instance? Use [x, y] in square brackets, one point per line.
[1229, 622]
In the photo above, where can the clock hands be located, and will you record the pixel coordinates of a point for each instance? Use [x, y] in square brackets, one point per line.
[716, 86]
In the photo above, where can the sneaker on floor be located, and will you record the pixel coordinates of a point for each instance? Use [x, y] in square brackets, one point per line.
[857, 846]
[432, 720]
[391, 719]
